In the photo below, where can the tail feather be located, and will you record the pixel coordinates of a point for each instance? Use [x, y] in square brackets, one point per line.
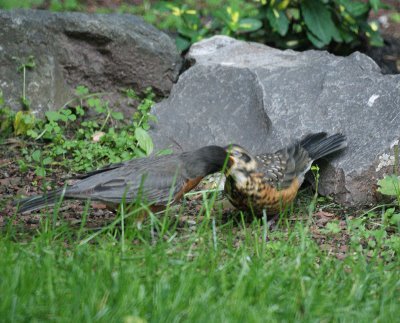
[319, 145]
[40, 201]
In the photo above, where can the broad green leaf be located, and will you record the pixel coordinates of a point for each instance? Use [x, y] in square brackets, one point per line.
[395, 219]
[249, 24]
[278, 21]
[72, 117]
[144, 140]
[182, 43]
[52, 115]
[36, 155]
[47, 160]
[187, 32]
[318, 20]
[315, 41]
[356, 9]
[40, 171]
[389, 185]
[117, 115]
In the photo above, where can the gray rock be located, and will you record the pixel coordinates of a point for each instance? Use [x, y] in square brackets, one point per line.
[106, 53]
[263, 98]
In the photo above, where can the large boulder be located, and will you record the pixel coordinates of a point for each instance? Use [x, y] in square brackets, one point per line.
[106, 53]
[263, 98]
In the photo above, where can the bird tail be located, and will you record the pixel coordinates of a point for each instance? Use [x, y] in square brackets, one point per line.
[40, 201]
[318, 145]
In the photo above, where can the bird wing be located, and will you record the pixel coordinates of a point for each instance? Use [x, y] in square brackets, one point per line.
[285, 165]
[157, 181]
[136, 162]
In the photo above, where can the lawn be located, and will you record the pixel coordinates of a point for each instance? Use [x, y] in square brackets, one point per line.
[210, 266]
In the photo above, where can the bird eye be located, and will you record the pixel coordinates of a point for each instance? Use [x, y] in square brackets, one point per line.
[246, 158]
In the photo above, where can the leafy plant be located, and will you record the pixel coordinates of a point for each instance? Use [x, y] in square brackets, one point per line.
[80, 145]
[317, 23]
[24, 119]
[25, 65]
[338, 24]
[389, 185]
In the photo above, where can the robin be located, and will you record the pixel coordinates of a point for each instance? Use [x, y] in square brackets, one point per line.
[270, 182]
[158, 180]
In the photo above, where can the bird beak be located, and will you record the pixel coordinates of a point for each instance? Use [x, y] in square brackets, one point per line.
[229, 166]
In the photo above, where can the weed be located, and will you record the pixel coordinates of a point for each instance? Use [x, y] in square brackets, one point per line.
[79, 144]
[24, 120]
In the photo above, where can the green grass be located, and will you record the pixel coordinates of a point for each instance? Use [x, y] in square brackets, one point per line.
[221, 272]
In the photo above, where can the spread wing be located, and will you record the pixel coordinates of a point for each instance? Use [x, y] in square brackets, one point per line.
[155, 180]
[282, 167]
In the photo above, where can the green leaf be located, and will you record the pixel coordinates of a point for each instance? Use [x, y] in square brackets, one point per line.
[249, 24]
[81, 90]
[375, 4]
[117, 115]
[32, 133]
[375, 39]
[52, 115]
[40, 171]
[182, 43]
[395, 17]
[47, 160]
[278, 21]
[22, 165]
[144, 140]
[318, 20]
[72, 117]
[389, 185]
[315, 41]
[395, 219]
[96, 104]
[356, 9]
[36, 155]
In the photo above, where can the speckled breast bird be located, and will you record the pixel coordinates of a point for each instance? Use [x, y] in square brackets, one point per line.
[271, 181]
[158, 179]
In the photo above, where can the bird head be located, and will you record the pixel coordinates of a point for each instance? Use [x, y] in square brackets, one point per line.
[241, 162]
